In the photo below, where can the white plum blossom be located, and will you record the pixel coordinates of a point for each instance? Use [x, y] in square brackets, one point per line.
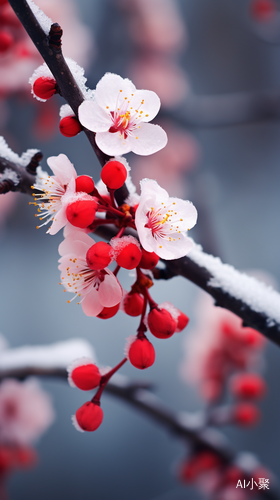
[162, 222]
[95, 289]
[119, 115]
[25, 411]
[59, 190]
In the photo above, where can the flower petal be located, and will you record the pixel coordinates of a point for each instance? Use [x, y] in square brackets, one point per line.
[146, 103]
[148, 139]
[180, 246]
[59, 221]
[91, 304]
[111, 91]
[74, 243]
[112, 144]
[62, 168]
[94, 117]
[186, 211]
[110, 291]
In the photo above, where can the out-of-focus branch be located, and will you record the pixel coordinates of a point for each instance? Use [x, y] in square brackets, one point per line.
[26, 175]
[49, 47]
[226, 110]
[184, 424]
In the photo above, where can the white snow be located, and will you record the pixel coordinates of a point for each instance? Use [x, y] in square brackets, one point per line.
[258, 296]
[8, 154]
[66, 110]
[57, 355]
[44, 21]
[9, 174]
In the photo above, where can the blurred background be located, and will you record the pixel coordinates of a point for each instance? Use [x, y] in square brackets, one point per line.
[222, 155]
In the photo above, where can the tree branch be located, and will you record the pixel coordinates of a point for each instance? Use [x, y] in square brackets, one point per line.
[68, 87]
[26, 175]
[183, 424]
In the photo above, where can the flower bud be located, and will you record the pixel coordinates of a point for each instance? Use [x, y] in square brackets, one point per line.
[6, 41]
[44, 87]
[161, 323]
[88, 417]
[182, 321]
[99, 255]
[141, 353]
[200, 463]
[108, 312]
[114, 174]
[246, 414]
[84, 374]
[81, 213]
[133, 304]
[248, 385]
[84, 183]
[149, 259]
[129, 256]
[69, 126]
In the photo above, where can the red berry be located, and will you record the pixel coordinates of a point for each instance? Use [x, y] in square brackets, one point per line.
[182, 321]
[263, 10]
[89, 416]
[85, 377]
[69, 126]
[108, 312]
[248, 385]
[141, 353]
[99, 255]
[198, 464]
[6, 41]
[246, 414]
[81, 213]
[7, 458]
[161, 323]
[114, 174]
[44, 87]
[149, 259]
[133, 304]
[129, 256]
[84, 183]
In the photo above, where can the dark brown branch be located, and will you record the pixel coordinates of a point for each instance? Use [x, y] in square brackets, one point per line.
[50, 49]
[183, 425]
[26, 178]
[226, 110]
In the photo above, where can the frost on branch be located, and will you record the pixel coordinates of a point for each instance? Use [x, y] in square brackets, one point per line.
[8, 154]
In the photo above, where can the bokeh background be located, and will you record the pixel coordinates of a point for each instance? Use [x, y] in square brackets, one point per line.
[231, 172]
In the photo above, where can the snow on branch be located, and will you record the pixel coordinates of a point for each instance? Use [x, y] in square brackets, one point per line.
[257, 304]
[52, 360]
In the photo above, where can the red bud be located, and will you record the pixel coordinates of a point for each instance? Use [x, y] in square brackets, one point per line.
[84, 183]
[149, 259]
[81, 213]
[248, 385]
[69, 126]
[114, 174]
[129, 257]
[161, 323]
[85, 377]
[44, 87]
[99, 255]
[108, 312]
[246, 414]
[141, 353]
[6, 41]
[133, 304]
[89, 416]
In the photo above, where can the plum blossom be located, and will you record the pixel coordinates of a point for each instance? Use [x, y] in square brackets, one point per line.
[95, 289]
[162, 222]
[25, 411]
[119, 116]
[59, 190]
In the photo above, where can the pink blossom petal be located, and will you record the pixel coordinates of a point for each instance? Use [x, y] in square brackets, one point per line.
[62, 168]
[112, 89]
[150, 107]
[113, 144]
[91, 304]
[110, 291]
[186, 211]
[180, 246]
[59, 221]
[94, 117]
[78, 248]
[152, 188]
[148, 139]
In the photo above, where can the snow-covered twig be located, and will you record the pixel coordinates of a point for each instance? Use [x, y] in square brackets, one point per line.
[52, 361]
